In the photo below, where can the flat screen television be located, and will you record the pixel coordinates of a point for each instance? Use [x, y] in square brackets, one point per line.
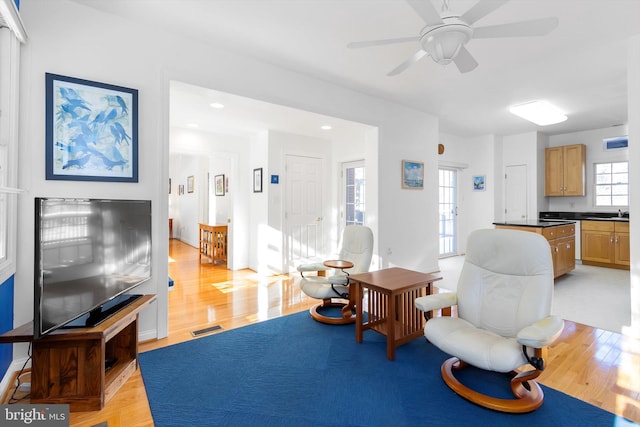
[89, 253]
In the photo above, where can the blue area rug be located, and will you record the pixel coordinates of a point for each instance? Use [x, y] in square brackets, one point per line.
[294, 371]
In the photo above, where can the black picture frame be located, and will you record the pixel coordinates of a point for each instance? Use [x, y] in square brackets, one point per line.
[91, 130]
[257, 180]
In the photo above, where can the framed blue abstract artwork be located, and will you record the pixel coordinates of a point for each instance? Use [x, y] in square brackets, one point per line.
[479, 182]
[91, 130]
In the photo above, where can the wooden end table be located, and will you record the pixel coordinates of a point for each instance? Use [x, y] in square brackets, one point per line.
[391, 309]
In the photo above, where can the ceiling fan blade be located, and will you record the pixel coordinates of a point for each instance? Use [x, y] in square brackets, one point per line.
[535, 27]
[482, 9]
[369, 43]
[465, 61]
[409, 62]
[426, 11]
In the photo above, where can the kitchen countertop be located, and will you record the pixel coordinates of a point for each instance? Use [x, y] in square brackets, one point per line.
[534, 223]
[583, 216]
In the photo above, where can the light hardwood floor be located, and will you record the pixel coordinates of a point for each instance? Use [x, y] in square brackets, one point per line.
[599, 367]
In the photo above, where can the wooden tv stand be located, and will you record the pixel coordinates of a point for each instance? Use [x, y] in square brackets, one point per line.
[68, 365]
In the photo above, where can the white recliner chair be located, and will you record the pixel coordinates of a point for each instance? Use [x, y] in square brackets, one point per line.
[503, 303]
[356, 246]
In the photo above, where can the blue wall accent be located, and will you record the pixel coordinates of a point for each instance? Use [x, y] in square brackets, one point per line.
[6, 323]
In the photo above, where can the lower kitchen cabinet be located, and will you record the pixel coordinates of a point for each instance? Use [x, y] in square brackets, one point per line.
[606, 244]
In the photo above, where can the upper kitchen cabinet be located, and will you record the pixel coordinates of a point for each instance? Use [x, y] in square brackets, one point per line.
[565, 169]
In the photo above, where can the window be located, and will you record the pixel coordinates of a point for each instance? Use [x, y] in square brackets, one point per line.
[612, 184]
[353, 175]
[9, 60]
[3, 201]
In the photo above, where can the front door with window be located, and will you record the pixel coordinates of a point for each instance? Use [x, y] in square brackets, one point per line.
[448, 211]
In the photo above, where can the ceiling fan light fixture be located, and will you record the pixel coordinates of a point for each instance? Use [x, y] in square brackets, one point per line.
[443, 43]
[542, 113]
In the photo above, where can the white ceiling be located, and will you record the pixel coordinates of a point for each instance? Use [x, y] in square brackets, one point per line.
[580, 66]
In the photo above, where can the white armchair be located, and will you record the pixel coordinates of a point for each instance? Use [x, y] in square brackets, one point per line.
[356, 246]
[503, 303]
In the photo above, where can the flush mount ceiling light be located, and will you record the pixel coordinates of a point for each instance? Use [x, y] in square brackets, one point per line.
[541, 113]
[326, 127]
[216, 105]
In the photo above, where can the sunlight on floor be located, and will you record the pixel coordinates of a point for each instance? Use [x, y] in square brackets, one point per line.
[233, 285]
[629, 377]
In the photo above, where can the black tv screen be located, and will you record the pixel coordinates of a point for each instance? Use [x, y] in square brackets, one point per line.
[88, 254]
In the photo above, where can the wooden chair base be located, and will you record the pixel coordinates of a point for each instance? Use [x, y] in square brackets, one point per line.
[348, 316]
[528, 393]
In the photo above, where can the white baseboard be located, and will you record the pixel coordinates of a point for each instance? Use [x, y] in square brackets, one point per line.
[14, 367]
[147, 335]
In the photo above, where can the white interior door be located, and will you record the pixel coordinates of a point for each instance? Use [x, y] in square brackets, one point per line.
[303, 211]
[515, 200]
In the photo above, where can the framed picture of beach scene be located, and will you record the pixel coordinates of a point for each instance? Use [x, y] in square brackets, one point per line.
[412, 175]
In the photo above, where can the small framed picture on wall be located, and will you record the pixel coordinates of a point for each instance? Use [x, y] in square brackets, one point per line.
[257, 180]
[412, 175]
[479, 183]
[190, 181]
[219, 185]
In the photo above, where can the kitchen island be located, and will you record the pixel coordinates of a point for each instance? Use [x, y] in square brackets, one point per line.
[561, 236]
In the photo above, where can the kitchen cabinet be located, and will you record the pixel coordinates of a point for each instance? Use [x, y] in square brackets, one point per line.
[565, 170]
[606, 244]
[561, 239]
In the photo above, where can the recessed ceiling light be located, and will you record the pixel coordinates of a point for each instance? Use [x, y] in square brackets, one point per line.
[216, 105]
[325, 127]
[192, 125]
[541, 113]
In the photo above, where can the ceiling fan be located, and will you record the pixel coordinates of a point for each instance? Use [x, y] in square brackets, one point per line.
[445, 35]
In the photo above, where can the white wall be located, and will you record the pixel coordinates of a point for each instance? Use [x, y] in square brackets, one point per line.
[184, 207]
[595, 154]
[259, 204]
[72, 39]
